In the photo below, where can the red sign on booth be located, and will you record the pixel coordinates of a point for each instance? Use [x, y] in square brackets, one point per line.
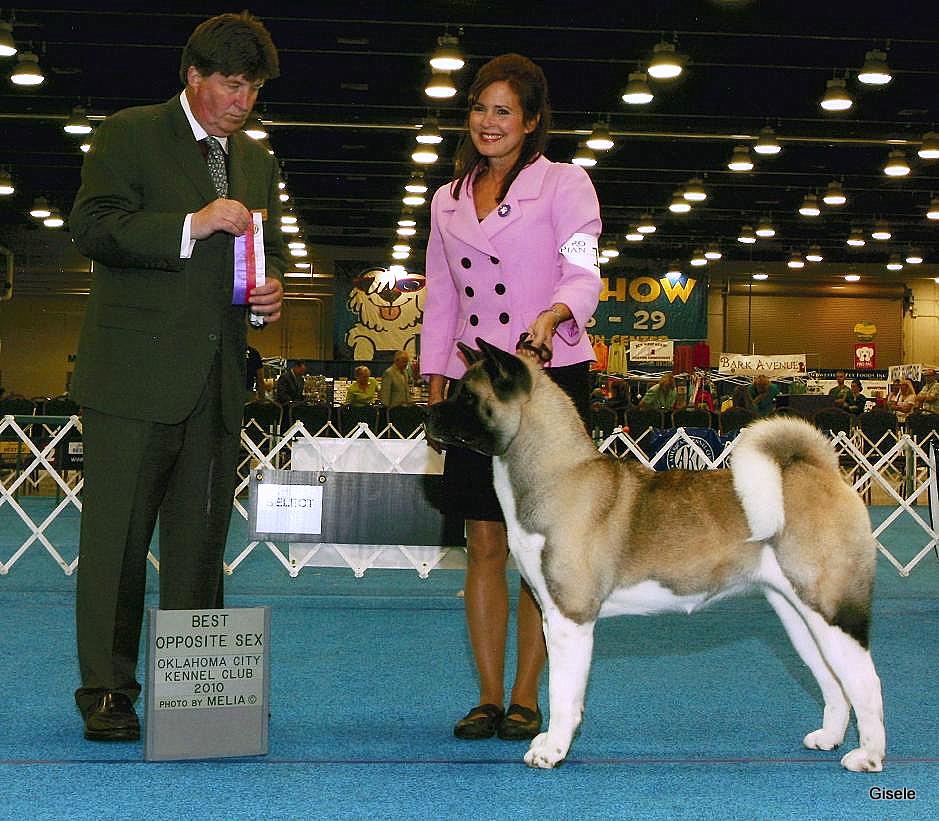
[865, 356]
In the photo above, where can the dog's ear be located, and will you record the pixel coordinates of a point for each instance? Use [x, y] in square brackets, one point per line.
[506, 371]
[469, 353]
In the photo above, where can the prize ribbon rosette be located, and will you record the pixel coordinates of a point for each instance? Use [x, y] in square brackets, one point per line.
[249, 261]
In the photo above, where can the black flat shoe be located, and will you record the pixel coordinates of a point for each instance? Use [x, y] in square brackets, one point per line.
[112, 719]
[480, 722]
[520, 723]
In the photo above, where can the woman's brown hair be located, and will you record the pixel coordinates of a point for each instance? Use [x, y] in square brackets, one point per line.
[528, 82]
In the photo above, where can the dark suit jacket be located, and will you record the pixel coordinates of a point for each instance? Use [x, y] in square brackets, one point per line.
[154, 321]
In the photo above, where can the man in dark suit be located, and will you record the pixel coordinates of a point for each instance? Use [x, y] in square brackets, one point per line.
[290, 384]
[160, 369]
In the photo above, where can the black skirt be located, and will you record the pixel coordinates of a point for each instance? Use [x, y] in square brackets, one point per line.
[467, 491]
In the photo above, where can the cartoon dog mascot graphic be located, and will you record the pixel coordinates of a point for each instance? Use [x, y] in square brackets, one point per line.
[389, 305]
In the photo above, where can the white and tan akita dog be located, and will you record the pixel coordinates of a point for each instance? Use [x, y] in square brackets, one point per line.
[595, 537]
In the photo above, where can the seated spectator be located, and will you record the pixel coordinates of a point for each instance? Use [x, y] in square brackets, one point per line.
[902, 398]
[762, 395]
[927, 400]
[290, 384]
[856, 402]
[364, 390]
[663, 396]
[841, 391]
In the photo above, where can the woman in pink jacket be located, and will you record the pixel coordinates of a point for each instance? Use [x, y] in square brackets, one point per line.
[512, 253]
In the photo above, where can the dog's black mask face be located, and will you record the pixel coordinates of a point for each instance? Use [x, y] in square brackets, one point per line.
[482, 410]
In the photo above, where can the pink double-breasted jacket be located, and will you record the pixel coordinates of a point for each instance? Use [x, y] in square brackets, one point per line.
[491, 278]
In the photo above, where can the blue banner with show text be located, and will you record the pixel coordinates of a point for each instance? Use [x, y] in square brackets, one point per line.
[645, 304]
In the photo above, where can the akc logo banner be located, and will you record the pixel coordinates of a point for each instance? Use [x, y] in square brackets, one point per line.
[738, 364]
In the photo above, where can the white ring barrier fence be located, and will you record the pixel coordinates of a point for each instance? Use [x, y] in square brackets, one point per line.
[40, 461]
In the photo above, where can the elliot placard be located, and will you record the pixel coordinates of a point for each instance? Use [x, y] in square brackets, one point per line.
[208, 683]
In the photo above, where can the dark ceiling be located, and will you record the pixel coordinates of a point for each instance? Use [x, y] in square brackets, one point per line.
[343, 115]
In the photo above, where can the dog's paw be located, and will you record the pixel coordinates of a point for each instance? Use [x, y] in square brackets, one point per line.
[543, 753]
[823, 739]
[863, 761]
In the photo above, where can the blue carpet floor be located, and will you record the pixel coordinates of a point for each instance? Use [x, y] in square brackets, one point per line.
[695, 718]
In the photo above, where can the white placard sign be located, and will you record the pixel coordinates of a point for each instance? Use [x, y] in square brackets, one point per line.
[212, 658]
[735, 364]
[646, 351]
[208, 683]
[289, 508]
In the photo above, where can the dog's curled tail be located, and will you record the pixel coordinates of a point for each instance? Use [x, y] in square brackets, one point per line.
[762, 452]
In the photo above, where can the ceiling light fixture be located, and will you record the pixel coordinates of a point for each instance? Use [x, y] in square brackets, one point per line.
[765, 228]
[633, 234]
[40, 209]
[424, 154]
[933, 211]
[834, 194]
[852, 277]
[54, 220]
[767, 143]
[698, 259]
[809, 207]
[413, 199]
[665, 63]
[679, 205]
[7, 43]
[929, 150]
[795, 260]
[610, 251]
[599, 139]
[254, 128]
[440, 86]
[6, 183]
[77, 122]
[429, 133]
[713, 252]
[417, 184]
[637, 90]
[856, 238]
[85, 146]
[894, 263]
[814, 254]
[896, 166]
[914, 257]
[694, 190]
[645, 225]
[746, 236]
[875, 71]
[673, 271]
[288, 218]
[584, 157]
[406, 220]
[289, 228]
[27, 71]
[740, 159]
[881, 231]
[405, 231]
[760, 275]
[447, 56]
[836, 96]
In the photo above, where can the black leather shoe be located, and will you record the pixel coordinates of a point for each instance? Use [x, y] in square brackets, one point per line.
[112, 719]
[520, 723]
[480, 722]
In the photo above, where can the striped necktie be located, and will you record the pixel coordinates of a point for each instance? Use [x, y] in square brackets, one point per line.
[216, 162]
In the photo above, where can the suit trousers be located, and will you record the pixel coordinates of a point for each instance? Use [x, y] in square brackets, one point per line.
[135, 470]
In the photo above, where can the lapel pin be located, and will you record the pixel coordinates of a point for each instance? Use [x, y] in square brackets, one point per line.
[504, 210]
